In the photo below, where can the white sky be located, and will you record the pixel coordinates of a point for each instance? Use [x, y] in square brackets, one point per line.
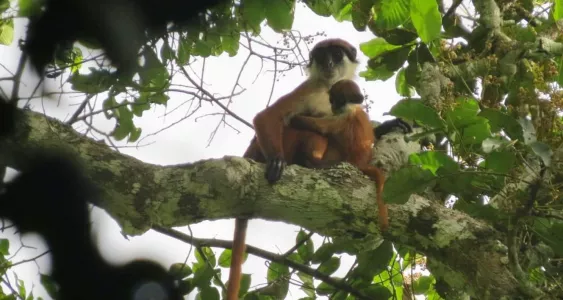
[187, 142]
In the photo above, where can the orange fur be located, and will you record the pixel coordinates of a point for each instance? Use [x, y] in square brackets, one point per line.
[274, 141]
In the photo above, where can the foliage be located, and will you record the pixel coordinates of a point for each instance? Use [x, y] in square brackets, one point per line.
[495, 114]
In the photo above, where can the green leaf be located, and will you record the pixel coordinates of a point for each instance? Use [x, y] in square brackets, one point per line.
[426, 19]
[308, 285]
[29, 8]
[398, 36]
[543, 151]
[50, 286]
[154, 72]
[180, 270]
[324, 252]
[245, 281]
[330, 266]
[500, 161]
[307, 249]
[495, 143]
[230, 42]
[423, 284]
[481, 211]
[373, 262]
[209, 293]
[7, 31]
[433, 160]
[381, 73]
[280, 14]
[403, 88]
[361, 13]
[202, 276]
[405, 182]
[376, 47]
[184, 51]
[134, 134]
[4, 5]
[377, 291]
[557, 10]
[277, 271]
[325, 289]
[392, 13]
[253, 12]
[4, 247]
[319, 7]
[97, 81]
[391, 60]
[476, 133]
[501, 121]
[549, 231]
[416, 110]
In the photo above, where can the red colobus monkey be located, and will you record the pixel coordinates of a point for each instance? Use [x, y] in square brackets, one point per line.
[350, 136]
[276, 144]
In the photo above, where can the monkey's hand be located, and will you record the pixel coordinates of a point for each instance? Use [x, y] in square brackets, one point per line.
[274, 169]
[388, 126]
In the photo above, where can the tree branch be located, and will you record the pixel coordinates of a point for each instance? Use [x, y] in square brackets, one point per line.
[337, 202]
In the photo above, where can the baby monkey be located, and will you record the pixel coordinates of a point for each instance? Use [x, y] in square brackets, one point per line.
[350, 137]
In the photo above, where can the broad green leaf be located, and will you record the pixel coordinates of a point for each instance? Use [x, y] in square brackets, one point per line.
[405, 182]
[280, 14]
[390, 60]
[4, 5]
[307, 249]
[324, 252]
[475, 133]
[549, 231]
[325, 289]
[245, 281]
[7, 31]
[376, 47]
[403, 88]
[381, 73]
[495, 143]
[166, 53]
[361, 13]
[500, 161]
[296, 258]
[308, 285]
[209, 293]
[4, 247]
[276, 271]
[184, 51]
[343, 10]
[202, 276]
[499, 120]
[29, 8]
[330, 266]
[557, 9]
[50, 285]
[319, 7]
[485, 212]
[180, 270]
[426, 19]
[253, 12]
[392, 13]
[377, 291]
[373, 262]
[412, 109]
[433, 160]
[543, 151]
[134, 135]
[423, 284]
[231, 42]
[463, 114]
[97, 81]
[398, 36]
[141, 104]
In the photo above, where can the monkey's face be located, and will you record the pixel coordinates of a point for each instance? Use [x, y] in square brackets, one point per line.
[331, 63]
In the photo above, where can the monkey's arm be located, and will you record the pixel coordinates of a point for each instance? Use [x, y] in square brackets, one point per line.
[388, 126]
[324, 126]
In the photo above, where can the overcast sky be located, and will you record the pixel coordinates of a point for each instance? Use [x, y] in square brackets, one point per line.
[187, 141]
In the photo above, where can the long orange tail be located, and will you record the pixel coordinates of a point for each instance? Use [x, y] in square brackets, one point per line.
[376, 175]
[237, 255]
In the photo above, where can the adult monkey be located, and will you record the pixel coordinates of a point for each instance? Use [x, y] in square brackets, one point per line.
[329, 61]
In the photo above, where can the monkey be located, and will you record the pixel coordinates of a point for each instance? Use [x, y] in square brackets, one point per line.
[277, 145]
[350, 134]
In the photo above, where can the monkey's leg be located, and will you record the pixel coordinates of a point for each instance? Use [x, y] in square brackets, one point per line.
[376, 175]
[254, 152]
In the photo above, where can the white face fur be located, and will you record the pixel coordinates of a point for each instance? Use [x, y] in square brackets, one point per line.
[346, 69]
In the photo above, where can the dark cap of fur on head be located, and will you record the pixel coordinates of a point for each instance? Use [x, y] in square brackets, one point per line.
[350, 51]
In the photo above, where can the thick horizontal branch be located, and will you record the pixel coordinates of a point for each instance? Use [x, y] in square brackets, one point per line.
[334, 202]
